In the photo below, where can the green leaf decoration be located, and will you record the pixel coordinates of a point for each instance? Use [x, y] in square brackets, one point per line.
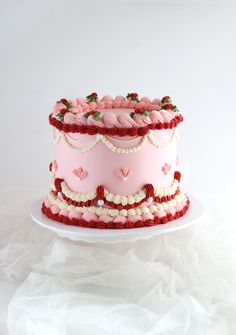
[132, 115]
[146, 113]
[166, 100]
[93, 99]
[97, 116]
[61, 116]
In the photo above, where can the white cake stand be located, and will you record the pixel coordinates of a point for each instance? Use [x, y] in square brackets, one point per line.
[75, 233]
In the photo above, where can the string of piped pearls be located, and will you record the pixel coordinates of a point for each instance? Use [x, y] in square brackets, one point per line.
[105, 139]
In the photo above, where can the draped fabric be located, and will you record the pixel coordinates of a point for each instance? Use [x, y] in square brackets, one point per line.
[176, 283]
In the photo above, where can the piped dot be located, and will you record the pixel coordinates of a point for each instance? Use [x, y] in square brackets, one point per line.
[59, 195]
[99, 137]
[150, 199]
[100, 202]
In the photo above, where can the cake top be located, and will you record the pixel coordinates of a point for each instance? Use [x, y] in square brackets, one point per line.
[120, 116]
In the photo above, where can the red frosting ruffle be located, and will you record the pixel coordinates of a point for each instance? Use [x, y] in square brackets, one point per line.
[133, 131]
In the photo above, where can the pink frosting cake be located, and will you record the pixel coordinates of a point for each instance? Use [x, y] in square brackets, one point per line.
[116, 163]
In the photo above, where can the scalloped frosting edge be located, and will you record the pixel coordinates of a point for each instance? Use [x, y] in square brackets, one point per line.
[60, 186]
[105, 221]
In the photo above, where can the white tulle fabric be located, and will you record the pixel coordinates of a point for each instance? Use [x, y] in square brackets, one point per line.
[177, 283]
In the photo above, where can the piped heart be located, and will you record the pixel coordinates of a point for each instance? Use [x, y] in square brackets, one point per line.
[166, 168]
[80, 173]
[124, 173]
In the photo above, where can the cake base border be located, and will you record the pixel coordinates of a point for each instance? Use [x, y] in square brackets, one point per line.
[91, 235]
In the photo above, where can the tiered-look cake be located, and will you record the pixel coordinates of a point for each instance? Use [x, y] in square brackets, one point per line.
[116, 162]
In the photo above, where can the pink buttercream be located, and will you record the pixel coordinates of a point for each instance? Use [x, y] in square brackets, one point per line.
[146, 119]
[178, 207]
[55, 209]
[69, 118]
[74, 214]
[107, 98]
[167, 116]
[81, 120]
[100, 105]
[93, 122]
[120, 218]
[108, 104]
[81, 105]
[80, 100]
[74, 110]
[105, 218]
[126, 121]
[124, 173]
[132, 104]
[92, 106]
[119, 98]
[86, 108]
[57, 108]
[117, 103]
[64, 212]
[160, 213]
[148, 169]
[47, 203]
[156, 107]
[146, 100]
[171, 210]
[79, 109]
[148, 216]
[134, 218]
[80, 173]
[166, 168]
[110, 120]
[141, 120]
[73, 103]
[125, 104]
[156, 117]
[88, 216]
[156, 102]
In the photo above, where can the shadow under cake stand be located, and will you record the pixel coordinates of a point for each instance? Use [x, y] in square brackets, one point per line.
[76, 233]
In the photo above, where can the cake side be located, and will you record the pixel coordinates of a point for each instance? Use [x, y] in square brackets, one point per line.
[121, 165]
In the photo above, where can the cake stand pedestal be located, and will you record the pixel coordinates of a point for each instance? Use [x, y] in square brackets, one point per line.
[91, 235]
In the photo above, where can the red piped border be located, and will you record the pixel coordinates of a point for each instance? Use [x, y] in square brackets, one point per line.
[100, 196]
[92, 130]
[114, 225]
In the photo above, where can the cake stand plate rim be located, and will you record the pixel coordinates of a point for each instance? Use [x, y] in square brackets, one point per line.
[76, 233]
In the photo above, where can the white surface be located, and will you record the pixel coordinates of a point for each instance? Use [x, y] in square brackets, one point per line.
[182, 48]
[111, 236]
[172, 284]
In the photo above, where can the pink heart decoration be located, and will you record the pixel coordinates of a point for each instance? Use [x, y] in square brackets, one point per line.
[124, 173]
[166, 168]
[80, 173]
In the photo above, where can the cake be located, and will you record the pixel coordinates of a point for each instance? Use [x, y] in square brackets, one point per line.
[116, 162]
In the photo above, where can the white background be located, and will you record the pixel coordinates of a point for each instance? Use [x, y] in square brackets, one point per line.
[54, 49]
